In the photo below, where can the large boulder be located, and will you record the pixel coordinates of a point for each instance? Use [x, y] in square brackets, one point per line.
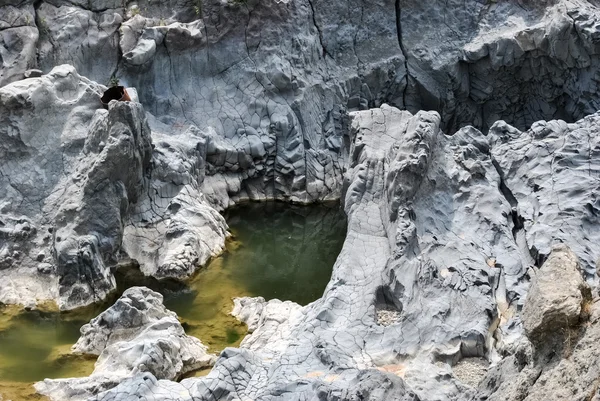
[84, 187]
[567, 370]
[556, 297]
[174, 229]
[92, 211]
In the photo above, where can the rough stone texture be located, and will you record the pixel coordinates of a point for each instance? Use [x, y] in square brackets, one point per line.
[244, 65]
[563, 371]
[551, 174]
[433, 236]
[86, 39]
[173, 229]
[136, 309]
[249, 100]
[135, 335]
[18, 41]
[69, 173]
[282, 73]
[43, 130]
[248, 310]
[393, 243]
[556, 296]
[77, 179]
[94, 206]
[387, 317]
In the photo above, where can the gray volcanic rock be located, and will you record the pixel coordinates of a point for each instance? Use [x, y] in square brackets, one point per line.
[250, 100]
[43, 129]
[135, 335]
[433, 235]
[86, 39]
[18, 41]
[76, 185]
[551, 174]
[237, 65]
[94, 207]
[174, 229]
[563, 367]
[398, 257]
[136, 309]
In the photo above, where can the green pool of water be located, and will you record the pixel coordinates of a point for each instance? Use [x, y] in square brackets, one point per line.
[276, 251]
[35, 343]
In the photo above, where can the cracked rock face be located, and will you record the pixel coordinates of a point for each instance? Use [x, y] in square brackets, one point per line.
[82, 185]
[69, 173]
[460, 136]
[43, 131]
[551, 171]
[431, 238]
[561, 320]
[135, 335]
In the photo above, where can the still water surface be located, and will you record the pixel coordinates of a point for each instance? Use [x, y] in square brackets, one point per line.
[276, 251]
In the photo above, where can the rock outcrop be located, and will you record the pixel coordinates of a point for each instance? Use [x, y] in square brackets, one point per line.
[331, 345]
[561, 321]
[448, 260]
[174, 229]
[43, 131]
[280, 75]
[433, 237]
[69, 172]
[135, 335]
[77, 179]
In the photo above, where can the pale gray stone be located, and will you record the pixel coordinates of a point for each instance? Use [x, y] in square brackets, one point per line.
[249, 100]
[135, 335]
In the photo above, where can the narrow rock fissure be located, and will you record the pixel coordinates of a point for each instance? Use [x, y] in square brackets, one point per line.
[402, 49]
[518, 229]
[36, 5]
[314, 18]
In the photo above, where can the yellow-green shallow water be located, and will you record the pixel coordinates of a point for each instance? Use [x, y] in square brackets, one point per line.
[277, 251]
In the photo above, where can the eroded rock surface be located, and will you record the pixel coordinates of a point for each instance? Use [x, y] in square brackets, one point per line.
[329, 346]
[434, 238]
[135, 335]
[551, 175]
[78, 179]
[70, 171]
[561, 320]
[256, 100]
[43, 131]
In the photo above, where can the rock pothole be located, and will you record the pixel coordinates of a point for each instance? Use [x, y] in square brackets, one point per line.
[388, 307]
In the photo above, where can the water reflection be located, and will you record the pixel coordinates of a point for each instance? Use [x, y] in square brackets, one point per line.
[277, 251]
